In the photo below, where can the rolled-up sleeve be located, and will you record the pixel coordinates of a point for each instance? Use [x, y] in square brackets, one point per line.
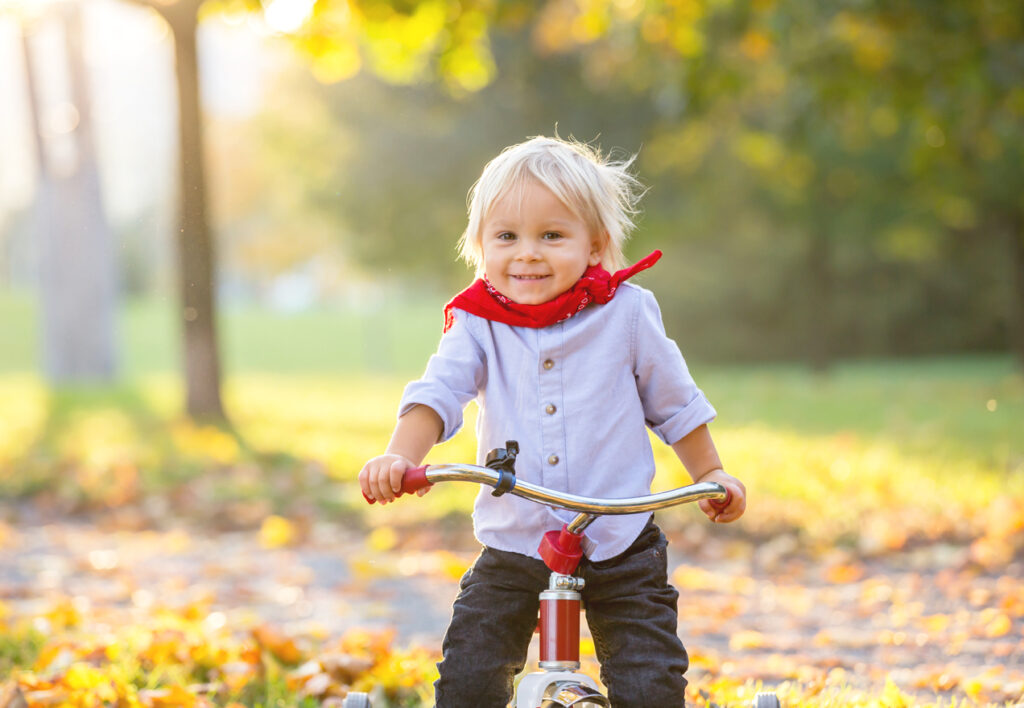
[673, 405]
[452, 378]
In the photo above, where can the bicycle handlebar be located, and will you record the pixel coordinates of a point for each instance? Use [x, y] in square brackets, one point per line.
[421, 477]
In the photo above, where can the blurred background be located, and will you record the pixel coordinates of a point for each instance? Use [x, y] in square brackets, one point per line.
[228, 227]
[827, 182]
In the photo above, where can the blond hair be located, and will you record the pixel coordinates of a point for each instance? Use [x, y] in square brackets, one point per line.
[599, 190]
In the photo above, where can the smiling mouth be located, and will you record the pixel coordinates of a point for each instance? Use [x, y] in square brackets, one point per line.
[528, 277]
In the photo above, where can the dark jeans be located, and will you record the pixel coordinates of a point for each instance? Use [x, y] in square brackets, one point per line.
[631, 611]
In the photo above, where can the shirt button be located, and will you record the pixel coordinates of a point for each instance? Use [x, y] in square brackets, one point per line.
[548, 364]
[550, 409]
[553, 460]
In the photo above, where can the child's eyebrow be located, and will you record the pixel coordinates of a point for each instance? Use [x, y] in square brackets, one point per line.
[551, 224]
[556, 225]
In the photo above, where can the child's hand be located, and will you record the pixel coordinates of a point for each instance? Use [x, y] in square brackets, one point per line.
[737, 498]
[381, 477]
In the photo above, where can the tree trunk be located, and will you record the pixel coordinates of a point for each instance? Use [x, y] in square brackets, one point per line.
[1016, 321]
[76, 252]
[195, 245]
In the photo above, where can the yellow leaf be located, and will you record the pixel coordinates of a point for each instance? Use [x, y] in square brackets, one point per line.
[998, 626]
[83, 676]
[173, 697]
[280, 645]
[893, 697]
[64, 615]
[53, 656]
[164, 648]
[383, 538]
[453, 566]
[936, 624]
[277, 532]
[747, 639]
[844, 573]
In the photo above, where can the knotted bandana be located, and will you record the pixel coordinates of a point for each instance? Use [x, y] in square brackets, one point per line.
[596, 285]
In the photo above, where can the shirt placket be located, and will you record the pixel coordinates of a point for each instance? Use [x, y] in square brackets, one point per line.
[552, 422]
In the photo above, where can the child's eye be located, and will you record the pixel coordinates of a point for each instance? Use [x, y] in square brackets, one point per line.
[552, 236]
[506, 236]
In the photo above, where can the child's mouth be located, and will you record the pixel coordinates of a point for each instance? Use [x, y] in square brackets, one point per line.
[528, 277]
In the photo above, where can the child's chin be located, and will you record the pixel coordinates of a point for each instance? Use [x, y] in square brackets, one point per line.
[529, 298]
[526, 295]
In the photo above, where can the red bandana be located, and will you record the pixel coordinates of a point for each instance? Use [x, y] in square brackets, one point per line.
[596, 285]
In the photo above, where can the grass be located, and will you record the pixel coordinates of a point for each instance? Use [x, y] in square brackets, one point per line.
[933, 443]
[390, 336]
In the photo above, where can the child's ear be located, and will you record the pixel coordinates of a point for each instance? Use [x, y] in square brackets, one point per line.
[597, 246]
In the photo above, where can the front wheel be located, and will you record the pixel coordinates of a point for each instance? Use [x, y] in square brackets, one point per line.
[357, 700]
[766, 700]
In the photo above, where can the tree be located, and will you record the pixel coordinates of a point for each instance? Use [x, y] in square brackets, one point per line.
[829, 128]
[195, 245]
[830, 105]
[403, 40]
[76, 252]
[968, 107]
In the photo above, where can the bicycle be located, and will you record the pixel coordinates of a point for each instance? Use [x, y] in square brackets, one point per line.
[558, 683]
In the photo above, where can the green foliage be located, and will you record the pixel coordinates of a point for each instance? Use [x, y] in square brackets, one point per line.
[831, 180]
[19, 646]
[817, 183]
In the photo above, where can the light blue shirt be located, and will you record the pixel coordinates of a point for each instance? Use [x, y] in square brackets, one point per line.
[578, 396]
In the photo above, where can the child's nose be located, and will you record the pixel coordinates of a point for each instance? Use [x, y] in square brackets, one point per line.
[527, 251]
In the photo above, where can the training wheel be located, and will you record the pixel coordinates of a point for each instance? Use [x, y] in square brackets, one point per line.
[765, 700]
[357, 700]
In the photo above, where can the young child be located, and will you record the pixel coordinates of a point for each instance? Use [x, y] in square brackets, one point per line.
[573, 363]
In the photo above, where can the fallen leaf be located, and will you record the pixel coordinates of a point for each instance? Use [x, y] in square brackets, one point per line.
[844, 573]
[747, 639]
[277, 532]
[281, 646]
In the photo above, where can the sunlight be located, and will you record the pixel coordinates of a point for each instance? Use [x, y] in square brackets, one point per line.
[24, 9]
[287, 15]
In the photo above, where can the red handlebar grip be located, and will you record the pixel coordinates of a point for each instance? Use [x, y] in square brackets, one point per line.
[414, 480]
[719, 505]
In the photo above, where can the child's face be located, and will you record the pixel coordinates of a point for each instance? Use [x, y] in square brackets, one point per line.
[536, 248]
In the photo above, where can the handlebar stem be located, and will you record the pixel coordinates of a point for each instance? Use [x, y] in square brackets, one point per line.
[580, 523]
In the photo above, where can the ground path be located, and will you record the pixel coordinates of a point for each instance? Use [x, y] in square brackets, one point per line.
[929, 619]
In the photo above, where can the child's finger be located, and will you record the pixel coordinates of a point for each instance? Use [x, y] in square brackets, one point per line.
[706, 507]
[364, 482]
[395, 474]
[737, 505]
[374, 488]
[381, 486]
